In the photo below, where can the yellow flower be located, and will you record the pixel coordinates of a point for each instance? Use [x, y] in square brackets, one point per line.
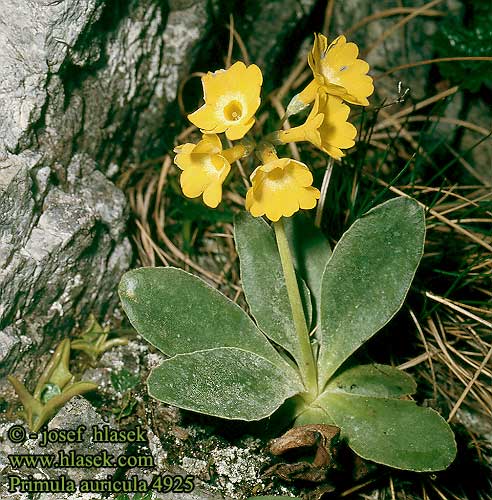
[232, 97]
[326, 127]
[336, 132]
[280, 188]
[205, 167]
[337, 72]
[308, 131]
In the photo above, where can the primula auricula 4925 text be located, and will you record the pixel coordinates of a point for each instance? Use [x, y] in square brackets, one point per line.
[310, 308]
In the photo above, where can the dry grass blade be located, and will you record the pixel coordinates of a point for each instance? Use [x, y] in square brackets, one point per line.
[400, 24]
[432, 61]
[395, 11]
[328, 17]
[485, 360]
[454, 225]
[444, 119]
[231, 42]
[241, 44]
[183, 82]
[420, 105]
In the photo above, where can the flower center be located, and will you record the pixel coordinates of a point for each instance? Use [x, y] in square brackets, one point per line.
[233, 111]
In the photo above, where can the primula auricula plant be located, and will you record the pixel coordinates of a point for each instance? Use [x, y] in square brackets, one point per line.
[224, 363]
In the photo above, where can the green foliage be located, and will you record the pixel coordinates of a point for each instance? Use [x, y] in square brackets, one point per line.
[310, 251]
[93, 341]
[226, 382]
[55, 387]
[124, 380]
[221, 364]
[263, 281]
[126, 407]
[367, 279]
[179, 313]
[456, 39]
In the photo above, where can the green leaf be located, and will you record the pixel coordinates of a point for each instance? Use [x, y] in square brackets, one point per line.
[180, 313]
[454, 38]
[367, 278]
[48, 392]
[392, 432]
[224, 382]
[373, 380]
[310, 251]
[263, 282]
[124, 380]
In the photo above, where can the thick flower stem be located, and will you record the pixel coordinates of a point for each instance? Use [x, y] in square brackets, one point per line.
[307, 363]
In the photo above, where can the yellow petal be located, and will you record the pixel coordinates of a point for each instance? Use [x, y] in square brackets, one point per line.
[212, 195]
[236, 132]
[209, 144]
[301, 173]
[182, 159]
[341, 53]
[308, 131]
[332, 151]
[308, 197]
[204, 170]
[194, 181]
[337, 69]
[214, 85]
[204, 118]
[255, 80]
[280, 188]
[232, 97]
[336, 133]
[184, 148]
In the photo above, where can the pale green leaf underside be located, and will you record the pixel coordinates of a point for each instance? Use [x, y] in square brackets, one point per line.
[263, 281]
[310, 251]
[224, 382]
[367, 278]
[380, 381]
[393, 432]
[180, 313]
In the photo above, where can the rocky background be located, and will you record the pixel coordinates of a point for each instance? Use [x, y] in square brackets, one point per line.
[88, 90]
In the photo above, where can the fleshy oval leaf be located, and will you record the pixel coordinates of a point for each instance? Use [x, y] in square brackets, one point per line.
[179, 313]
[380, 381]
[367, 279]
[393, 432]
[225, 382]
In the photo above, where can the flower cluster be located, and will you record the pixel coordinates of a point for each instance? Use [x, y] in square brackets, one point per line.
[280, 186]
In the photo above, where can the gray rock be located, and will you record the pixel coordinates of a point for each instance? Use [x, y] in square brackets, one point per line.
[83, 89]
[268, 28]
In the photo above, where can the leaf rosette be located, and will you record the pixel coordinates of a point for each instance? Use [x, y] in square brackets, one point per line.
[224, 363]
